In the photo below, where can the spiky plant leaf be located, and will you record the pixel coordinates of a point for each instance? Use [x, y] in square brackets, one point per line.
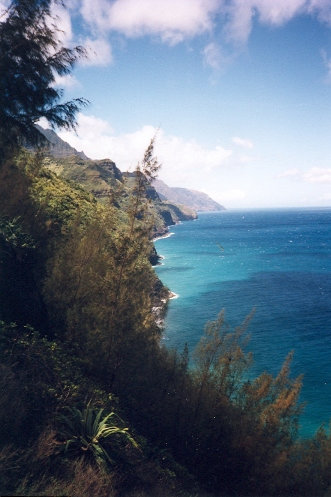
[88, 430]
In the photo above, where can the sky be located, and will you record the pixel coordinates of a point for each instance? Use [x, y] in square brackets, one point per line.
[238, 93]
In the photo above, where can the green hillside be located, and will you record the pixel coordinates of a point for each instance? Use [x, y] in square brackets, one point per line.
[102, 177]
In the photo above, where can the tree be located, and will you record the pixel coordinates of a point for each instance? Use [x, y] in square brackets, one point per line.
[100, 283]
[31, 57]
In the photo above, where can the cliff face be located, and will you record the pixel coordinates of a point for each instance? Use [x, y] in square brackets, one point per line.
[194, 199]
[101, 177]
[58, 147]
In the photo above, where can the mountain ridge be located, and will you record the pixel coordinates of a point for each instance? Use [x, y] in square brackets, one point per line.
[194, 199]
[108, 171]
[103, 178]
[57, 147]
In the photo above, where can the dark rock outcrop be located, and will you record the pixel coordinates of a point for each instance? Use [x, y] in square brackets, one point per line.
[110, 169]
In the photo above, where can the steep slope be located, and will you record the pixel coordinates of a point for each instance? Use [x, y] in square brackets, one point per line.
[194, 199]
[98, 177]
[102, 178]
[58, 147]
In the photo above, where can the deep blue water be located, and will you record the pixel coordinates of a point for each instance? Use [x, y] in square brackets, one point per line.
[276, 261]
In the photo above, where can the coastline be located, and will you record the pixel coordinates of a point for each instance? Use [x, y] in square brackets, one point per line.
[166, 235]
[160, 258]
[159, 310]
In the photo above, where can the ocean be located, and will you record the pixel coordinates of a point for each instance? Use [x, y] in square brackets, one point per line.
[277, 262]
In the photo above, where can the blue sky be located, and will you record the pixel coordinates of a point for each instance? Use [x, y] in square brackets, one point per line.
[239, 90]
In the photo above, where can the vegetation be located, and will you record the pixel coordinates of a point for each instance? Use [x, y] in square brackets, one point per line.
[80, 352]
[103, 179]
[31, 56]
[78, 272]
[89, 431]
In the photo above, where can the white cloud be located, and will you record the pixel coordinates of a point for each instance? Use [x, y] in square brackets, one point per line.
[241, 13]
[184, 162]
[63, 23]
[322, 8]
[43, 123]
[73, 4]
[4, 10]
[187, 162]
[238, 26]
[172, 20]
[318, 175]
[98, 52]
[246, 159]
[96, 13]
[242, 142]
[278, 12]
[67, 81]
[231, 195]
[175, 20]
[314, 175]
[289, 173]
[93, 136]
[58, 13]
[213, 56]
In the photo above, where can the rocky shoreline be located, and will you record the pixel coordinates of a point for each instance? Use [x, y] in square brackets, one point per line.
[161, 294]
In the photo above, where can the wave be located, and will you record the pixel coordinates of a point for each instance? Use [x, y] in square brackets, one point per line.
[168, 235]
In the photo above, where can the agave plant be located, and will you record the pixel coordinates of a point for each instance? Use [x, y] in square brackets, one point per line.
[89, 432]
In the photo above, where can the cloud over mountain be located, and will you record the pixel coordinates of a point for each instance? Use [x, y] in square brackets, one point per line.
[184, 161]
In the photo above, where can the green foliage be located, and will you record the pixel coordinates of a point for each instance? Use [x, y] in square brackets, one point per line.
[109, 185]
[99, 286]
[38, 377]
[35, 207]
[150, 166]
[233, 433]
[93, 433]
[12, 232]
[57, 202]
[31, 58]
[87, 265]
[220, 358]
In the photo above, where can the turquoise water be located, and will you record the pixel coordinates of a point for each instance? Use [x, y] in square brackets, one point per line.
[276, 261]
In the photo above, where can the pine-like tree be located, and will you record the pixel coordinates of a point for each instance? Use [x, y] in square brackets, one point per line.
[31, 56]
